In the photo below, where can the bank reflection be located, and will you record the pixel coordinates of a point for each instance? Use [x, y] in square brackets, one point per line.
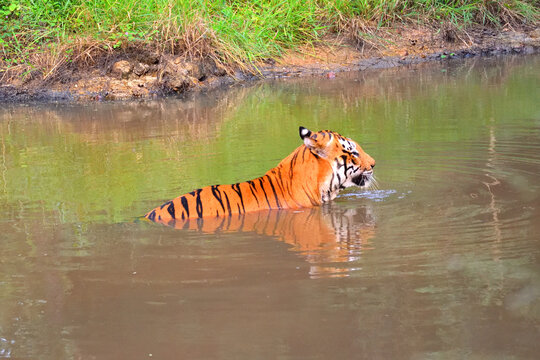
[330, 238]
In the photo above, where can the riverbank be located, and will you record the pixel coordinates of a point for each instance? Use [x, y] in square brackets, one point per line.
[132, 51]
[132, 74]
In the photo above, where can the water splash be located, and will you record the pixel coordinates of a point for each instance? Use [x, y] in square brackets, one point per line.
[375, 195]
[5, 347]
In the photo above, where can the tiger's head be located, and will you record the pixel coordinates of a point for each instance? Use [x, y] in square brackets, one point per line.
[350, 165]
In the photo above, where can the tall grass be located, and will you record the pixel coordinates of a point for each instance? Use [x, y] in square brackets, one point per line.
[234, 31]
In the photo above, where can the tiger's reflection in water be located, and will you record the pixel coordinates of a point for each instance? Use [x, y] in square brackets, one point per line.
[330, 237]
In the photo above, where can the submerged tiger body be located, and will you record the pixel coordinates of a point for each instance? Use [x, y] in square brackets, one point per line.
[312, 174]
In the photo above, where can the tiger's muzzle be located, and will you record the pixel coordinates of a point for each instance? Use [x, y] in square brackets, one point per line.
[363, 179]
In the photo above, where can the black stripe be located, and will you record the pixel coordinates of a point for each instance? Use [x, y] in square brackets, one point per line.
[344, 157]
[304, 153]
[275, 193]
[313, 202]
[236, 187]
[199, 206]
[252, 188]
[286, 185]
[152, 215]
[217, 195]
[170, 209]
[293, 162]
[167, 203]
[264, 192]
[228, 202]
[185, 204]
[279, 180]
[293, 198]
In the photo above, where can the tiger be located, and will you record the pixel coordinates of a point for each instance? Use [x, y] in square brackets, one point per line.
[313, 174]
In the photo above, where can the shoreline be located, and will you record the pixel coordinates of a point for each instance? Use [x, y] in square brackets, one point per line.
[135, 74]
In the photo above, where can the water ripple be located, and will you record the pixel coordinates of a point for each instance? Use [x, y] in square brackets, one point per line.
[375, 195]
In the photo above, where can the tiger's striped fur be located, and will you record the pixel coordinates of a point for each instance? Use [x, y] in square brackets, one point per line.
[312, 174]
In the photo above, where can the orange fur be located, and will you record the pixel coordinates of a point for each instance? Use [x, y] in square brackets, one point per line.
[312, 174]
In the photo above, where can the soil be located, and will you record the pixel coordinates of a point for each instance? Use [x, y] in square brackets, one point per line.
[136, 73]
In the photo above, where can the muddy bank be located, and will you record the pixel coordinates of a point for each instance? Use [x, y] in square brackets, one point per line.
[143, 74]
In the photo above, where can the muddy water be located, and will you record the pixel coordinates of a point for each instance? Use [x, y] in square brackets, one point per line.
[441, 261]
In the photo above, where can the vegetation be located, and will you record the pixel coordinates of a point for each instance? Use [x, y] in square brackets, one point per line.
[44, 34]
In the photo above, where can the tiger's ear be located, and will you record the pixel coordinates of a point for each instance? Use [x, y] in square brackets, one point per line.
[304, 132]
[312, 142]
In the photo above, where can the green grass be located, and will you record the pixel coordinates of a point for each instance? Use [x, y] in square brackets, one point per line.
[233, 31]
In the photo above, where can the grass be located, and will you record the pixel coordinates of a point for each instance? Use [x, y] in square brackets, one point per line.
[43, 35]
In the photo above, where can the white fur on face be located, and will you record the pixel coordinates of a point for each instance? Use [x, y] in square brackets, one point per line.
[347, 145]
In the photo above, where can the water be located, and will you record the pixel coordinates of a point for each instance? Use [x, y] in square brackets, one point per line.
[441, 261]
